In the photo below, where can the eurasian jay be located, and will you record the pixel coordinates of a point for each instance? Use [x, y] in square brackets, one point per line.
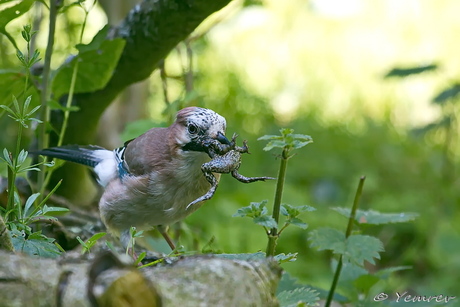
[152, 178]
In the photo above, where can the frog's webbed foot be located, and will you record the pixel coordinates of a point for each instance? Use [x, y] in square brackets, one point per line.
[214, 183]
[245, 179]
[244, 148]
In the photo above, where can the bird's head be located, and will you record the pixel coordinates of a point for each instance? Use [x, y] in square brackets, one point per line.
[198, 127]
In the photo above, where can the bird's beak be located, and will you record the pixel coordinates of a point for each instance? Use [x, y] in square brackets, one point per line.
[222, 138]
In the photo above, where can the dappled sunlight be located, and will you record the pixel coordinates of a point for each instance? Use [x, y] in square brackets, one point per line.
[298, 56]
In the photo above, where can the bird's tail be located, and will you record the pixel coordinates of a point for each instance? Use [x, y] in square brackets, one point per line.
[87, 155]
[102, 161]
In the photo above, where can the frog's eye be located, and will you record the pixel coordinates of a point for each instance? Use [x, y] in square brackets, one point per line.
[192, 129]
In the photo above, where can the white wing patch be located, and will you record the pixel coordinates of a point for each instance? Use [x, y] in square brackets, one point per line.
[106, 170]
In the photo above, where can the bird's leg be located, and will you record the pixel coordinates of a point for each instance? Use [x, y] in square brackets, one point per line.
[212, 180]
[245, 179]
[164, 232]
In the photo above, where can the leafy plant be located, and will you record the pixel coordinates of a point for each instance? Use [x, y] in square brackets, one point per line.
[88, 244]
[17, 217]
[356, 249]
[287, 141]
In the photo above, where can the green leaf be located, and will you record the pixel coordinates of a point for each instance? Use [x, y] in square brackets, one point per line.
[6, 155]
[360, 248]
[275, 144]
[13, 12]
[266, 221]
[36, 245]
[97, 41]
[7, 109]
[373, 217]
[54, 105]
[52, 211]
[29, 203]
[405, 72]
[297, 222]
[270, 138]
[286, 140]
[21, 157]
[12, 83]
[282, 258]
[365, 282]
[298, 297]
[350, 271]
[95, 68]
[327, 239]
[356, 248]
[253, 210]
[447, 94]
[292, 211]
[96, 236]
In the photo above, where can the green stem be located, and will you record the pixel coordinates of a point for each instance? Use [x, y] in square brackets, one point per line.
[68, 103]
[273, 233]
[351, 220]
[43, 139]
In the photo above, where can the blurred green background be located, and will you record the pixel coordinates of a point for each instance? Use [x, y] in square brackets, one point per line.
[318, 67]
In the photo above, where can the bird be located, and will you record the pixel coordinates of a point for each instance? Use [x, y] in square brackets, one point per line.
[150, 180]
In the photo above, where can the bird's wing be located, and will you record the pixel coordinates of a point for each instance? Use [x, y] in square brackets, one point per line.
[147, 152]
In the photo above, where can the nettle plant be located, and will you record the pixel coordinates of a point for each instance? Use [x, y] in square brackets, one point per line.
[350, 248]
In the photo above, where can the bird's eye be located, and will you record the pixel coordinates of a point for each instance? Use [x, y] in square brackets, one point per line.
[192, 129]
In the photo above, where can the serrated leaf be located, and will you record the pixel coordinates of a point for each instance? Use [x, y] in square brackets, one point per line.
[405, 72]
[377, 218]
[298, 296]
[360, 248]
[289, 283]
[293, 211]
[297, 222]
[270, 137]
[356, 248]
[100, 62]
[299, 144]
[36, 245]
[447, 94]
[282, 258]
[350, 271]
[266, 221]
[275, 144]
[255, 209]
[327, 239]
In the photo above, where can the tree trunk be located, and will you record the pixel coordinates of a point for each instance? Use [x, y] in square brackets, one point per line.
[151, 30]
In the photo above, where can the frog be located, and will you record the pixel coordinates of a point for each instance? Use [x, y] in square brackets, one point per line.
[225, 159]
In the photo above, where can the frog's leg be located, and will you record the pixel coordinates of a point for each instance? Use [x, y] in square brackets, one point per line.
[214, 183]
[244, 179]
